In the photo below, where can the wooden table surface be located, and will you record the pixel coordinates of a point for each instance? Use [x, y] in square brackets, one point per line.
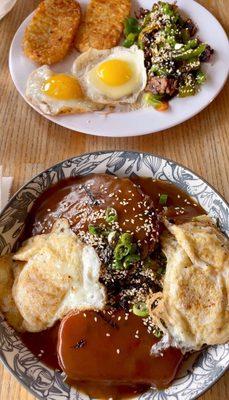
[30, 143]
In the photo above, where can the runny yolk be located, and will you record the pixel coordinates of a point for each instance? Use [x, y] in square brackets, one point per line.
[114, 72]
[62, 87]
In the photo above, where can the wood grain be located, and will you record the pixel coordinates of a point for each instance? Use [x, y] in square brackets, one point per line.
[30, 143]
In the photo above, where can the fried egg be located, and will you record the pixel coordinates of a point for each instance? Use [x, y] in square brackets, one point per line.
[194, 304]
[57, 93]
[8, 270]
[60, 274]
[112, 76]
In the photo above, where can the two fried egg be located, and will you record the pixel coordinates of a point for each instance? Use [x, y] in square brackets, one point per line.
[99, 78]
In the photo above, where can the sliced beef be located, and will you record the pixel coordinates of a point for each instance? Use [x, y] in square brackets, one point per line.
[162, 85]
[207, 54]
[189, 24]
[141, 13]
[83, 201]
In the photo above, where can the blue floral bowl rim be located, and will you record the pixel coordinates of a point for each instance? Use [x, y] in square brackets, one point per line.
[98, 152]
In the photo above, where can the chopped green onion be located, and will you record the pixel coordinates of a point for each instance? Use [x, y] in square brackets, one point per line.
[154, 100]
[187, 90]
[130, 40]
[131, 26]
[200, 77]
[126, 238]
[120, 251]
[111, 215]
[157, 333]
[159, 71]
[163, 199]
[117, 264]
[131, 31]
[140, 309]
[191, 44]
[190, 53]
[93, 230]
[126, 252]
[130, 260]
[167, 8]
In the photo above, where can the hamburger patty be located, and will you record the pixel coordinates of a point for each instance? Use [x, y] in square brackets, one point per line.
[84, 200]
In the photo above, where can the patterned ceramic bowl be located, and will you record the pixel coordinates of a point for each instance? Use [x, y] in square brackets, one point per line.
[47, 384]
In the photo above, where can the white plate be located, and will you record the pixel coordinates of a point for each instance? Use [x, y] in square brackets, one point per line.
[147, 120]
[6, 6]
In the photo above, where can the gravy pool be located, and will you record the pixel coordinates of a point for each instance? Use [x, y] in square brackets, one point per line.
[97, 368]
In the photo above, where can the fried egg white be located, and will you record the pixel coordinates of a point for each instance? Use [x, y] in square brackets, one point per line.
[57, 93]
[60, 274]
[8, 271]
[194, 302]
[112, 76]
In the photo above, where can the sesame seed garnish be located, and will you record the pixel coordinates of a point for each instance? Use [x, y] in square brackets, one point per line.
[118, 351]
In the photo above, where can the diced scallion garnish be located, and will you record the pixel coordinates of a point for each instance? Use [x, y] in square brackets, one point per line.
[126, 238]
[120, 251]
[131, 26]
[155, 101]
[157, 333]
[200, 77]
[93, 230]
[126, 252]
[130, 260]
[163, 199]
[131, 31]
[111, 215]
[140, 309]
[117, 264]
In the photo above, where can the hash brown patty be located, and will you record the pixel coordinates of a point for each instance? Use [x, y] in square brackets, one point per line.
[52, 30]
[103, 24]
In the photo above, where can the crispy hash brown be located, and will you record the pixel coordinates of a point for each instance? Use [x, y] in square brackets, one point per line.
[103, 24]
[51, 33]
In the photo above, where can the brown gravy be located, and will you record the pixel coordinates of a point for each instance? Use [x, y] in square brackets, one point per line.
[105, 349]
[60, 200]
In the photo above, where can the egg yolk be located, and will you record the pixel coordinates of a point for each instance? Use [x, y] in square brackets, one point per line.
[62, 87]
[114, 72]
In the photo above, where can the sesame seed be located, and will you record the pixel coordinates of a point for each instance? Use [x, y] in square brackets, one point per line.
[118, 351]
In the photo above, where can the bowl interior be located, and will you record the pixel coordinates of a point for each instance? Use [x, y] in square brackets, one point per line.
[48, 384]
